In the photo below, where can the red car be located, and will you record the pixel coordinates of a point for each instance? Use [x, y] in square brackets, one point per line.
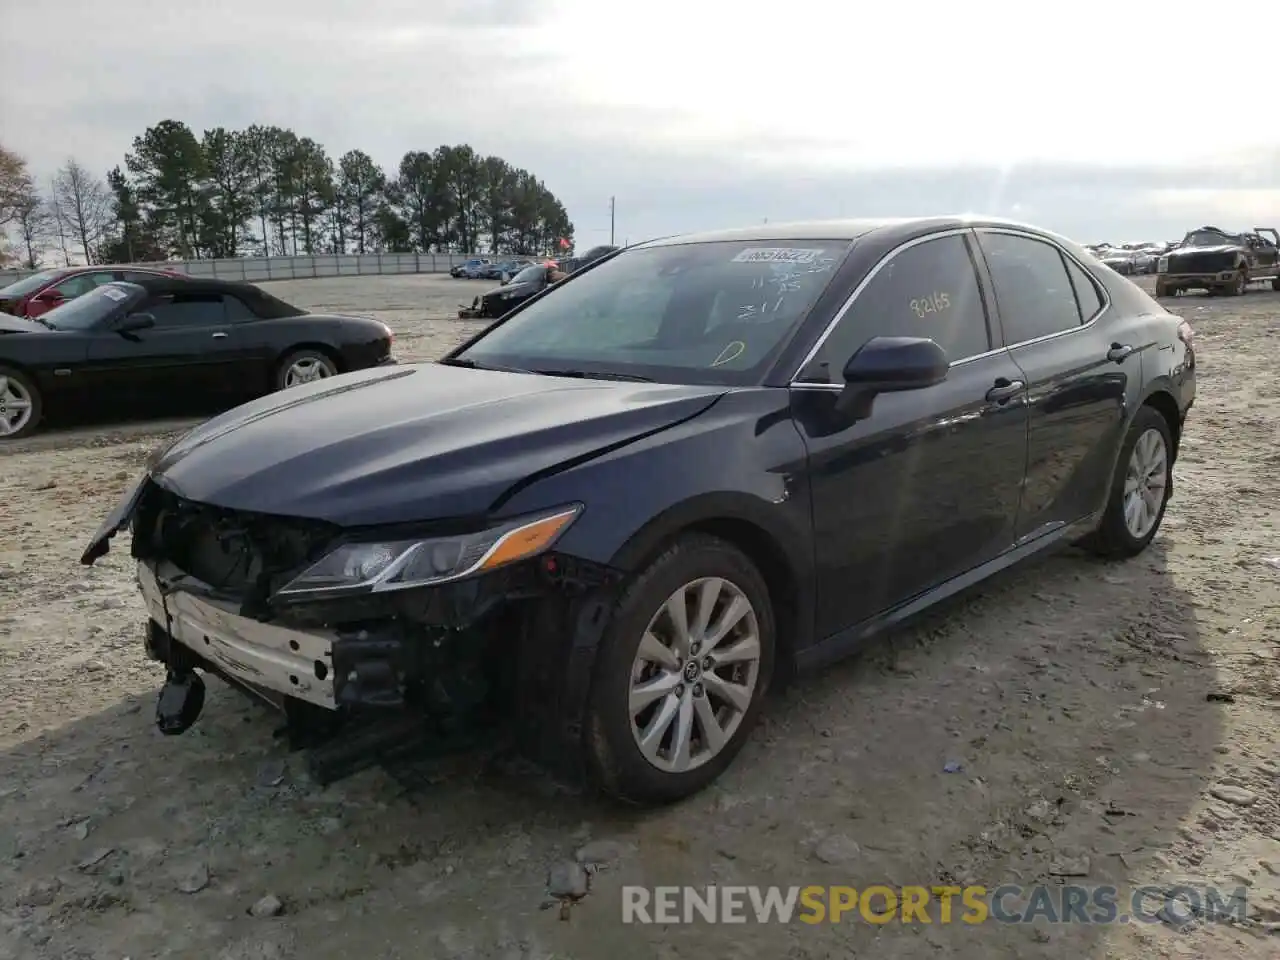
[41, 292]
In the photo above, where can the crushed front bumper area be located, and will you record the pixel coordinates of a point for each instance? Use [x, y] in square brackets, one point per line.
[359, 691]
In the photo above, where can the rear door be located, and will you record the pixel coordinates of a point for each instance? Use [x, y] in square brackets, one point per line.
[1078, 360]
[1267, 252]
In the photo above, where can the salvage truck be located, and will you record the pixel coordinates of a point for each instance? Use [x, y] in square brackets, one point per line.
[1218, 262]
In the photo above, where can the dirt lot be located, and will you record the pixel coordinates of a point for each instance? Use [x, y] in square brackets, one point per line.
[1114, 723]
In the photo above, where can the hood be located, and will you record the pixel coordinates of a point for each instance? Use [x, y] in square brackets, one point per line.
[9, 324]
[419, 442]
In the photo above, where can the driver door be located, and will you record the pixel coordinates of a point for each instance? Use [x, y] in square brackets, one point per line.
[926, 487]
[188, 354]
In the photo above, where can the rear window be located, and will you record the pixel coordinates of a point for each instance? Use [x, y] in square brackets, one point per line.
[268, 307]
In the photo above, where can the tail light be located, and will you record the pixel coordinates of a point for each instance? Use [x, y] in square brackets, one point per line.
[1186, 333]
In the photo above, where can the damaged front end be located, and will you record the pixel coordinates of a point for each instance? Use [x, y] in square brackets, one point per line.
[373, 643]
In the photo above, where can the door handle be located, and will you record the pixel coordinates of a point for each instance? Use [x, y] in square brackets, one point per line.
[219, 336]
[1119, 351]
[1004, 390]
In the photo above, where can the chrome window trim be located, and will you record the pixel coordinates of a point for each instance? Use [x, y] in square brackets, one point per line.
[954, 232]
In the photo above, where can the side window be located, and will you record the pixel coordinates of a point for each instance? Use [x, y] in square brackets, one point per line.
[82, 283]
[1033, 288]
[929, 290]
[136, 277]
[237, 310]
[189, 310]
[1086, 288]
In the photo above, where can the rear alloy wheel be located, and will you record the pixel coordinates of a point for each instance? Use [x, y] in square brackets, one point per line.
[1140, 489]
[683, 671]
[304, 366]
[20, 405]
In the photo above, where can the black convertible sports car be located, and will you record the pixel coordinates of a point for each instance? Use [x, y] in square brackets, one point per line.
[628, 508]
[143, 344]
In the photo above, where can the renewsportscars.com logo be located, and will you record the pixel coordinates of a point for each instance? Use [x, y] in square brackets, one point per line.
[879, 904]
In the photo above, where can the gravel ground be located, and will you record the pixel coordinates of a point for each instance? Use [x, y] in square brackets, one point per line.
[1115, 723]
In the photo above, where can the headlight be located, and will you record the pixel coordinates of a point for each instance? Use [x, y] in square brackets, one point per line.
[1162, 265]
[400, 564]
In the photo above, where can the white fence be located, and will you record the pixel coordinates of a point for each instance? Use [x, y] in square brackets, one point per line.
[259, 269]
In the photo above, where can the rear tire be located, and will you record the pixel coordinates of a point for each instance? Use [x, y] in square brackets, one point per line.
[1133, 495]
[1275, 284]
[304, 366]
[632, 693]
[21, 406]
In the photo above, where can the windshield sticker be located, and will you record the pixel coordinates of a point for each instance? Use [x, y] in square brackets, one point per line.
[934, 303]
[777, 255]
[732, 351]
[114, 294]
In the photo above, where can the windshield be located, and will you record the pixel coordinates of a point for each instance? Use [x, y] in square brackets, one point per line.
[91, 309]
[688, 313]
[20, 288]
[1205, 238]
[535, 272]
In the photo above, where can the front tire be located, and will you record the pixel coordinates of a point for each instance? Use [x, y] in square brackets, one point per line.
[683, 671]
[1240, 285]
[1140, 489]
[21, 405]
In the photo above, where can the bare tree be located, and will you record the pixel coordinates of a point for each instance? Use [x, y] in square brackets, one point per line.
[33, 223]
[59, 223]
[83, 204]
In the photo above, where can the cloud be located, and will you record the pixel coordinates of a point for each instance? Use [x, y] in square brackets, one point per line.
[692, 115]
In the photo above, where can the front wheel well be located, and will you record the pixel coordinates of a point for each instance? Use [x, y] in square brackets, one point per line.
[1165, 405]
[784, 587]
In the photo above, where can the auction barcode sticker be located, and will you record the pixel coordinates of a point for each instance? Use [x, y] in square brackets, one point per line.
[777, 255]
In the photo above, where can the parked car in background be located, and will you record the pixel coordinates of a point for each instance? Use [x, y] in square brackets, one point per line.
[147, 343]
[503, 270]
[41, 292]
[633, 505]
[527, 283]
[591, 256]
[1219, 262]
[469, 269]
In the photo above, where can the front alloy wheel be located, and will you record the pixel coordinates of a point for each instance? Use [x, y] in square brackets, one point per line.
[694, 675]
[681, 673]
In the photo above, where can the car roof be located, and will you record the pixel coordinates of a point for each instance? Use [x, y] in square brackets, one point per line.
[161, 283]
[849, 230]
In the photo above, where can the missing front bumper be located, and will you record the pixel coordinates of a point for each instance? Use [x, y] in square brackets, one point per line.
[276, 659]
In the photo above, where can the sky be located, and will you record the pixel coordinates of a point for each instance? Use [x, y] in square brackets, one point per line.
[1103, 121]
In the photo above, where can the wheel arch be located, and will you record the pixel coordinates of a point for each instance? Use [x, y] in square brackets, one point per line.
[738, 522]
[1164, 403]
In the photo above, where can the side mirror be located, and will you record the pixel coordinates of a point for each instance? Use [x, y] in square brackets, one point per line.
[50, 297]
[135, 322]
[889, 365]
